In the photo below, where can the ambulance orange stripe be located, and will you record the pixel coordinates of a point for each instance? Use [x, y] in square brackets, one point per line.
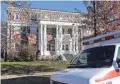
[109, 75]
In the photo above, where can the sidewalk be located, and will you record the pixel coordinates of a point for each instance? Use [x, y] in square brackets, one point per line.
[22, 75]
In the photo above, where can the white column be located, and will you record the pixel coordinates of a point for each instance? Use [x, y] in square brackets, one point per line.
[60, 29]
[81, 36]
[77, 39]
[41, 39]
[73, 39]
[45, 40]
[70, 46]
[56, 40]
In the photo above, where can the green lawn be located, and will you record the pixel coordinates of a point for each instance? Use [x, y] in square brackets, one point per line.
[31, 67]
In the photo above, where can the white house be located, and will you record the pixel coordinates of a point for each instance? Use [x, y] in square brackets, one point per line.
[58, 32]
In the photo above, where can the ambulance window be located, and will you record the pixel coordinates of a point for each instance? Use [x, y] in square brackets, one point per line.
[95, 57]
[118, 58]
[109, 52]
[119, 53]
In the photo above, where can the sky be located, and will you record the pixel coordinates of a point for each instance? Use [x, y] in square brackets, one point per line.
[53, 5]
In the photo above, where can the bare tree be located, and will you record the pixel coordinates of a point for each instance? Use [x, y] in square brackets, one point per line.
[21, 7]
[3, 39]
[101, 12]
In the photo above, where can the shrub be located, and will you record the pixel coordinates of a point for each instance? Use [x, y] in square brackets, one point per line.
[48, 58]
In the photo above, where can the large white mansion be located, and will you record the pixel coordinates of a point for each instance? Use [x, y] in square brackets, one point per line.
[57, 32]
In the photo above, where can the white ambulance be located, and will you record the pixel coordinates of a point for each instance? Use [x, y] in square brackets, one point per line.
[98, 63]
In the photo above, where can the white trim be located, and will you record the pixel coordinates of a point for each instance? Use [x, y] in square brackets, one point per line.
[58, 23]
[17, 23]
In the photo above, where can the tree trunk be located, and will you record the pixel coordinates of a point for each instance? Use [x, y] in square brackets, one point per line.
[95, 30]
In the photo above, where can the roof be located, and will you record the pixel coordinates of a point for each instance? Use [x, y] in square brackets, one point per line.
[56, 10]
[51, 10]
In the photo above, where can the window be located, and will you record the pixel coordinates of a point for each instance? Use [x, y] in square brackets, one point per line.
[95, 57]
[24, 29]
[67, 47]
[62, 47]
[63, 31]
[17, 16]
[70, 32]
[119, 53]
[49, 47]
[118, 58]
[52, 47]
[34, 17]
[75, 46]
[66, 31]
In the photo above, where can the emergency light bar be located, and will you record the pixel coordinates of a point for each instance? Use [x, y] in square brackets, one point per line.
[101, 38]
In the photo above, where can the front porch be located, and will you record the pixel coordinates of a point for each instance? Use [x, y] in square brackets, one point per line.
[56, 38]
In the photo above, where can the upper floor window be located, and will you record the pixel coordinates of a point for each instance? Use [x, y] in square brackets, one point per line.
[75, 47]
[17, 16]
[34, 17]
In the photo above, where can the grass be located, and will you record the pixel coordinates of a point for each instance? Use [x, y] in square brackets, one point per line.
[31, 67]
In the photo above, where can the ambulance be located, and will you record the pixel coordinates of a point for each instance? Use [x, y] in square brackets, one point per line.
[97, 63]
